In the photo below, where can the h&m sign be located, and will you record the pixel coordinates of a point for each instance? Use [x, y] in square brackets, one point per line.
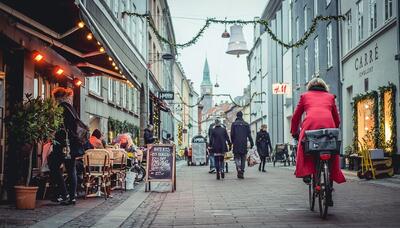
[166, 95]
[280, 88]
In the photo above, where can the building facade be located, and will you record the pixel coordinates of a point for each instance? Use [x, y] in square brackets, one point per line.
[370, 75]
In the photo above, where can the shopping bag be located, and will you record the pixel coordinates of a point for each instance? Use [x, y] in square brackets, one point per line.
[47, 149]
[130, 180]
[253, 157]
[228, 155]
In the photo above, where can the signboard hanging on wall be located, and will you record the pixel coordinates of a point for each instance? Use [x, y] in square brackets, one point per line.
[166, 95]
[280, 88]
[160, 165]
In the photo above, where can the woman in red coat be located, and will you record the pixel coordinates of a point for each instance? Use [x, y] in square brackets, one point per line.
[321, 112]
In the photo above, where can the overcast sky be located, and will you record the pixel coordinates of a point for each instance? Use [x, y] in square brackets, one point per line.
[189, 16]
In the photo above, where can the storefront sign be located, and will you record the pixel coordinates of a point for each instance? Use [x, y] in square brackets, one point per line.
[280, 88]
[166, 95]
[363, 62]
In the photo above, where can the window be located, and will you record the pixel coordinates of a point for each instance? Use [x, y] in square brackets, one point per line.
[35, 87]
[133, 104]
[329, 43]
[306, 64]
[297, 29]
[95, 85]
[123, 95]
[388, 9]
[297, 69]
[110, 90]
[315, 8]
[372, 15]
[117, 94]
[290, 22]
[328, 2]
[305, 18]
[133, 25]
[316, 56]
[360, 23]
[116, 8]
[140, 36]
[349, 31]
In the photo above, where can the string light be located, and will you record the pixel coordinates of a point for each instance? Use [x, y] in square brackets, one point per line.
[110, 59]
[113, 64]
[81, 24]
[58, 70]
[101, 49]
[89, 36]
[37, 56]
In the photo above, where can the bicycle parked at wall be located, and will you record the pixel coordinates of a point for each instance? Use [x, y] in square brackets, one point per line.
[323, 144]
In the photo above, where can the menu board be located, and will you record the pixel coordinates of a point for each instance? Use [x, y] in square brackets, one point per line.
[160, 162]
[199, 150]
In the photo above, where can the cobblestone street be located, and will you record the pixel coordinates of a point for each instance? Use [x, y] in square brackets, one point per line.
[272, 199]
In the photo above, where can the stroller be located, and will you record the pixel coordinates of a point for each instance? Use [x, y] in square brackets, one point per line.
[293, 149]
[281, 154]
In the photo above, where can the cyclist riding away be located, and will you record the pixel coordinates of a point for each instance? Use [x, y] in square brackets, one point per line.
[320, 112]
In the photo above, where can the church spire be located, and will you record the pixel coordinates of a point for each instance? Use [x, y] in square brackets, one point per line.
[206, 75]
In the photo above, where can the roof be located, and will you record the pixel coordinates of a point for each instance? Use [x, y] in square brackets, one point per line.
[206, 74]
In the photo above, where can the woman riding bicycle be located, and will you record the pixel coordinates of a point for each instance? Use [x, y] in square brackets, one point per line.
[321, 112]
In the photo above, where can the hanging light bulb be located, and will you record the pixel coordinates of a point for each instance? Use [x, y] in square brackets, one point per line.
[225, 34]
[110, 59]
[81, 24]
[101, 49]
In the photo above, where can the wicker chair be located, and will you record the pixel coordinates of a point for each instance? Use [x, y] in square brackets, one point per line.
[97, 172]
[118, 169]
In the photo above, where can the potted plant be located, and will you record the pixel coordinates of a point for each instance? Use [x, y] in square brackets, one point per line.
[30, 122]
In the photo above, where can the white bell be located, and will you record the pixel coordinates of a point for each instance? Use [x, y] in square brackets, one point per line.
[237, 45]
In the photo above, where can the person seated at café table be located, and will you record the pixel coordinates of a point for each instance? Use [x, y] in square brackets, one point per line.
[96, 139]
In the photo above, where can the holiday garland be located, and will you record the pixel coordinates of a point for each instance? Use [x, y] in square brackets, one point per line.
[391, 144]
[119, 127]
[356, 100]
[210, 21]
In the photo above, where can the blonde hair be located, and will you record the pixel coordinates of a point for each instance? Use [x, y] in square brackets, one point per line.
[264, 126]
[317, 82]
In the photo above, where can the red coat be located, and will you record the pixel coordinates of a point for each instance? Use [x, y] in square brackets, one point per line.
[321, 112]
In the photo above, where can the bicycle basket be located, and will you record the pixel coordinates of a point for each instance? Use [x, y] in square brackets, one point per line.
[322, 140]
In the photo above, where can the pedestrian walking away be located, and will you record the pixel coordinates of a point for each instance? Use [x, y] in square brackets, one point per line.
[210, 151]
[240, 135]
[148, 135]
[220, 142]
[322, 112]
[264, 147]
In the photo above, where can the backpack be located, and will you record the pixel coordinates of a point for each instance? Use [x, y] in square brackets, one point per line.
[82, 131]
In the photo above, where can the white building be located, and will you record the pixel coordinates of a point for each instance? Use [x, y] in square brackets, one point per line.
[370, 55]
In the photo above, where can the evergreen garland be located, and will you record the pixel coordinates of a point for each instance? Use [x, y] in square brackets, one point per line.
[210, 21]
[119, 127]
[391, 144]
[356, 100]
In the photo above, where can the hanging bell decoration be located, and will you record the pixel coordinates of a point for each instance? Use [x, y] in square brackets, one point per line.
[237, 44]
[225, 34]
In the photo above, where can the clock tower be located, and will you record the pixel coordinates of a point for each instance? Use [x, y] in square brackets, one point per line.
[206, 88]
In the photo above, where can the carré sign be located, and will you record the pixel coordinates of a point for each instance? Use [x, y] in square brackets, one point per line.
[166, 95]
[280, 88]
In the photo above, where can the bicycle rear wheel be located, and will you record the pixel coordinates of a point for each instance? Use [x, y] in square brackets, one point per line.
[324, 183]
[311, 194]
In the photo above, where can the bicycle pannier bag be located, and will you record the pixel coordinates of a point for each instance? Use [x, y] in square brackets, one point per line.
[322, 140]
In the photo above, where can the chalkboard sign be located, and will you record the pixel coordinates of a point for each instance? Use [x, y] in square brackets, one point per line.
[160, 164]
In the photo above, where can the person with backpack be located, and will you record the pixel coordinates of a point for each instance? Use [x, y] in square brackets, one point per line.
[68, 144]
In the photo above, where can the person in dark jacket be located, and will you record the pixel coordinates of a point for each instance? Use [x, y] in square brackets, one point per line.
[240, 133]
[210, 151]
[263, 143]
[148, 135]
[219, 142]
[64, 96]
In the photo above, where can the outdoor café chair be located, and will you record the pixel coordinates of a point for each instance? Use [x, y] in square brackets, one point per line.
[118, 169]
[97, 168]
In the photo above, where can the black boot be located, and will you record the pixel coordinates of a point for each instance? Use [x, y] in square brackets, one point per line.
[259, 167]
[222, 175]
[218, 176]
[240, 175]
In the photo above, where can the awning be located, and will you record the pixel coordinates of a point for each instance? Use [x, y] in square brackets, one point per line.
[57, 24]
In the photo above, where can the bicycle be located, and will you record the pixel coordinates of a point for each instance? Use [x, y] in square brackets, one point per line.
[323, 144]
[320, 186]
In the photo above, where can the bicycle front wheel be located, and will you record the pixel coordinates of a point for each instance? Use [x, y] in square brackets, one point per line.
[324, 190]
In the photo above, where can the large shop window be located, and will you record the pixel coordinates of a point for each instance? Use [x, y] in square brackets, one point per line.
[388, 138]
[42, 87]
[366, 123]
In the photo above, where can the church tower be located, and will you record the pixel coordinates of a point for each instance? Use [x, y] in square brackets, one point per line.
[206, 88]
